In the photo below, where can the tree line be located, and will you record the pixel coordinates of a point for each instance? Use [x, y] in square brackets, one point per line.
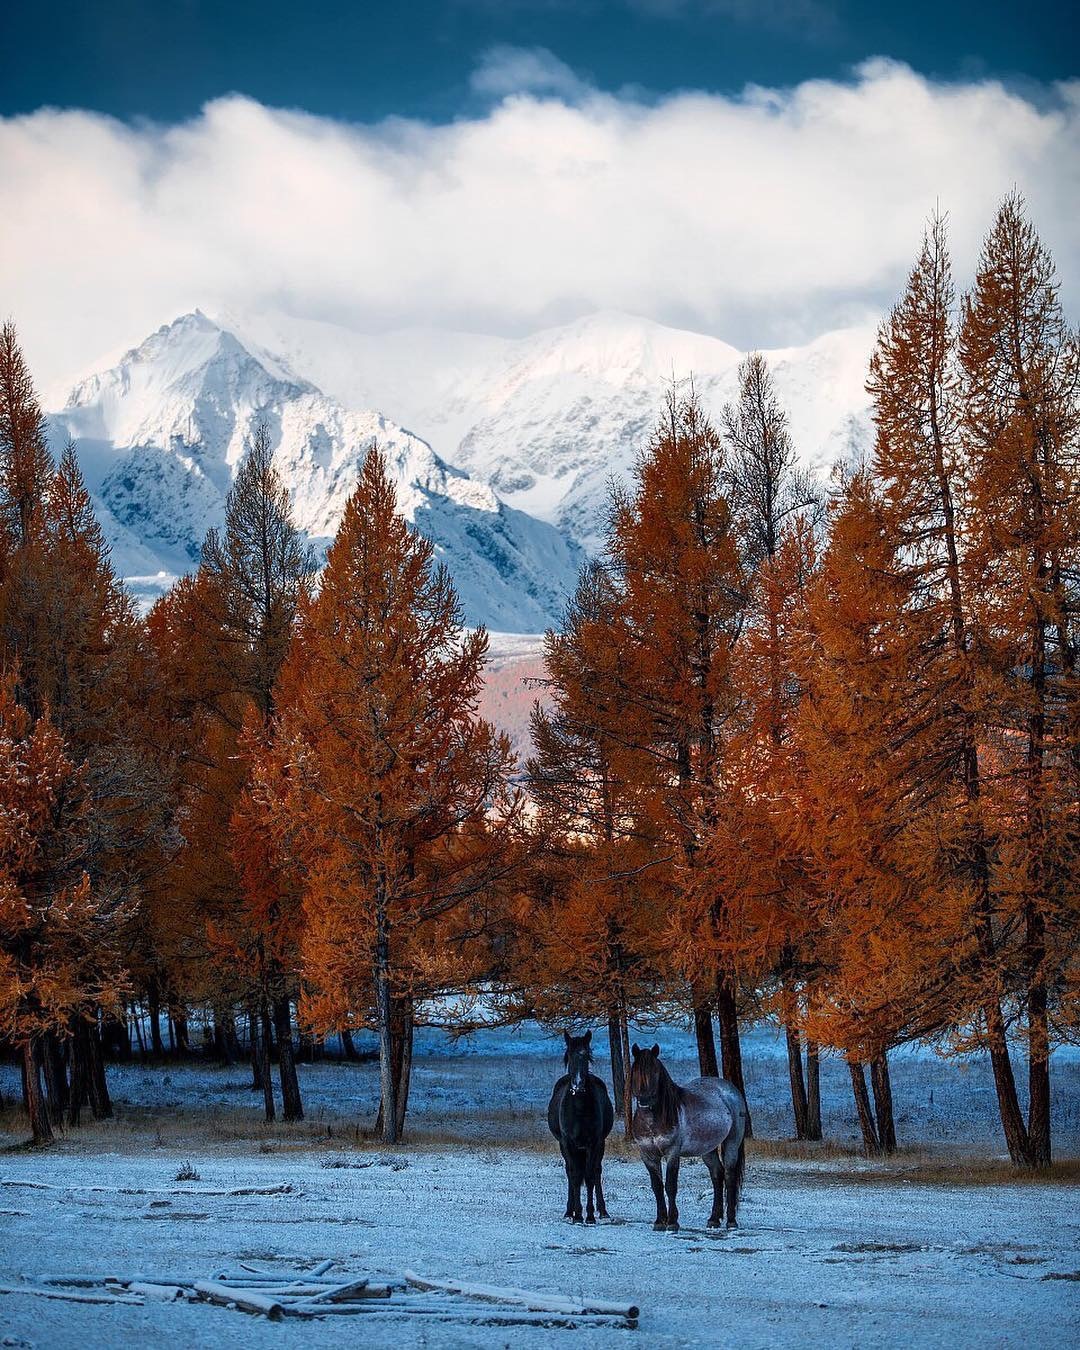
[805, 753]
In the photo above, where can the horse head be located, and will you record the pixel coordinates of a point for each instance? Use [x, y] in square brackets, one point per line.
[576, 1057]
[647, 1076]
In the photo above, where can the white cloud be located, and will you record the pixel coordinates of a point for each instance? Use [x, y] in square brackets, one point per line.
[505, 70]
[762, 218]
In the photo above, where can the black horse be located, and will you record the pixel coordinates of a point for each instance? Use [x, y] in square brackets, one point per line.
[580, 1116]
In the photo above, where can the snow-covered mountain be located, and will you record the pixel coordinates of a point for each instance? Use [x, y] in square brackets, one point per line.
[548, 419]
[537, 425]
[161, 434]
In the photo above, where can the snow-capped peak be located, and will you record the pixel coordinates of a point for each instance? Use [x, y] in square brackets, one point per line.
[162, 432]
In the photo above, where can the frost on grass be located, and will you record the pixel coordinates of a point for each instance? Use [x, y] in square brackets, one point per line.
[936, 1248]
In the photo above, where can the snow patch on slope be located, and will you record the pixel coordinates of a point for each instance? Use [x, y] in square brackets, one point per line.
[162, 434]
[547, 420]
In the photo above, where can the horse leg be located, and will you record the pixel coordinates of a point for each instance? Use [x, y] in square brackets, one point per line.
[716, 1172]
[601, 1207]
[672, 1190]
[577, 1176]
[568, 1166]
[658, 1192]
[734, 1156]
[590, 1186]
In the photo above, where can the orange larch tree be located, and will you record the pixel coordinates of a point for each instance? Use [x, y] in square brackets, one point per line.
[674, 557]
[222, 636]
[584, 939]
[56, 959]
[1021, 431]
[70, 637]
[776, 509]
[381, 783]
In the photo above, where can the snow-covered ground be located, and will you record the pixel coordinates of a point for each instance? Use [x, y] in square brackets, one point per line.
[934, 1248]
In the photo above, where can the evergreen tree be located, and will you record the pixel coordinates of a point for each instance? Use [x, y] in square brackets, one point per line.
[775, 507]
[223, 636]
[380, 780]
[674, 556]
[1021, 428]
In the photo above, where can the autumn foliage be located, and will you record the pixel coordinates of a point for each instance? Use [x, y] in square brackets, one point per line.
[801, 752]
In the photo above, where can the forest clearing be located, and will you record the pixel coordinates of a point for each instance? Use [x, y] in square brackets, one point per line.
[941, 1240]
[623, 879]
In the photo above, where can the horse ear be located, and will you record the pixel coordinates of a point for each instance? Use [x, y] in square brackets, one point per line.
[656, 1051]
[588, 1037]
[566, 1038]
[635, 1049]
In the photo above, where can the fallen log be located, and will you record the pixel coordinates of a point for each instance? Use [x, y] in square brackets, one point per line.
[490, 1314]
[285, 1188]
[247, 1299]
[538, 1302]
[260, 1277]
[157, 1293]
[72, 1295]
[352, 1289]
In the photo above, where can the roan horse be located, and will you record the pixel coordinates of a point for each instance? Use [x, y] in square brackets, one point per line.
[580, 1116]
[704, 1119]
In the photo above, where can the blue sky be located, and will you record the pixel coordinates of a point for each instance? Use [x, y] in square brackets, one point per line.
[364, 61]
[761, 170]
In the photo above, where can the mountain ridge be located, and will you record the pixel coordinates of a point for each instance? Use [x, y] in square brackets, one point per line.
[161, 433]
[529, 432]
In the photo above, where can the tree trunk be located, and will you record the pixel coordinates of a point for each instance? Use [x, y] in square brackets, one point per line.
[798, 1085]
[871, 1143]
[404, 1063]
[253, 1048]
[153, 1003]
[813, 1091]
[1038, 1048]
[348, 1049]
[401, 1038]
[265, 1074]
[618, 1064]
[116, 1039]
[79, 1094]
[178, 1021]
[883, 1103]
[100, 1101]
[136, 1020]
[730, 1049]
[384, 1016]
[627, 1101]
[56, 1081]
[224, 1036]
[1012, 1118]
[706, 1043]
[36, 1108]
[292, 1106]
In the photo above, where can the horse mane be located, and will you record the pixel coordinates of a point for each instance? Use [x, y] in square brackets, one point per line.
[669, 1095]
[668, 1099]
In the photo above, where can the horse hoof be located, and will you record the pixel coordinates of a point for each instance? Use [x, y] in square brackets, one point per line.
[732, 1223]
[590, 1219]
[714, 1223]
[659, 1226]
[673, 1227]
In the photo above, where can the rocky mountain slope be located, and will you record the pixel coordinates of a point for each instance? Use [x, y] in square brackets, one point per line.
[548, 419]
[160, 436]
[527, 434]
